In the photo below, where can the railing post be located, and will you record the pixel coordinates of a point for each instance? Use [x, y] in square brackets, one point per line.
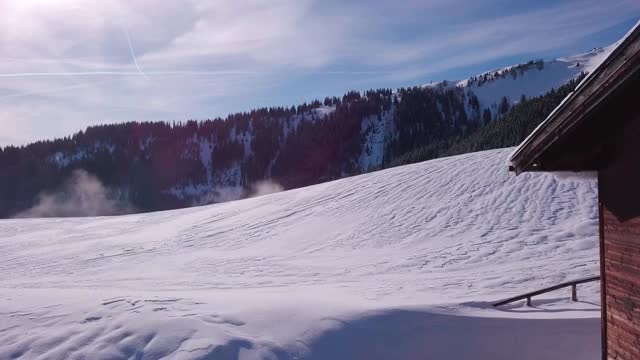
[574, 292]
[529, 301]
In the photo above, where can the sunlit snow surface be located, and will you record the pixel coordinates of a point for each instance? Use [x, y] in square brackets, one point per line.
[397, 264]
[536, 82]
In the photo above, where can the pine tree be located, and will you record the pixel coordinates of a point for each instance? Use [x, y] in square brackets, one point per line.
[486, 116]
[504, 105]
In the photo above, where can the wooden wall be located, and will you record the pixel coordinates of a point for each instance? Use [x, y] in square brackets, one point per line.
[622, 287]
[619, 192]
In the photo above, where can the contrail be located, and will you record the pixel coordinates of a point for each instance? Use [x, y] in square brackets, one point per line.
[133, 54]
[78, 73]
[182, 72]
[54, 90]
[98, 73]
[354, 72]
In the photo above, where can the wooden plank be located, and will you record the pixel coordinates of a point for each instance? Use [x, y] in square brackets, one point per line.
[617, 294]
[621, 247]
[612, 225]
[624, 282]
[622, 329]
[618, 316]
[623, 271]
[628, 241]
[616, 228]
[621, 345]
[618, 254]
[623, 340]
[622, 298]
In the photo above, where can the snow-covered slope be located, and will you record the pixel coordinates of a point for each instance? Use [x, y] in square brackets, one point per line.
[400, 263]
[530, 80]
[534, 81]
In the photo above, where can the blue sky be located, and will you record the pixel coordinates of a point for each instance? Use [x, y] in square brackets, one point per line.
[68, 64]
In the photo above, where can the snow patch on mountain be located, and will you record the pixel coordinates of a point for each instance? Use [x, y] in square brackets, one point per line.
[324, 110]
[189, 191]
[531, 83]
[62, 159]
[224, 185]
[146, 143]
[376, 131]
[206, 149]
[591, 59]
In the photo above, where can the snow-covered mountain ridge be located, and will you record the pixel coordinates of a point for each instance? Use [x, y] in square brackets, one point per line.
[157, 166]
[528, 79]
[399, 263]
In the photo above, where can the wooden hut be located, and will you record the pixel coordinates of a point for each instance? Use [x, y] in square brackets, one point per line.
[597, 129]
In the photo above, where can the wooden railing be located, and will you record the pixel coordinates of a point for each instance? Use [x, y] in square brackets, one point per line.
[528, 296]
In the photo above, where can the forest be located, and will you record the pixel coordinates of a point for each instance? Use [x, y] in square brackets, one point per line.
[160, 165]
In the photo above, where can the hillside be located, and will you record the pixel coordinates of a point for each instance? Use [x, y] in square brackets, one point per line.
[156, 166]
[532, 79]
[399, 263]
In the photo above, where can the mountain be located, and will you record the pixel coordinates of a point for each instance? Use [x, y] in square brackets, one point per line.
[400, 263]
[136, 167]
[523, 79]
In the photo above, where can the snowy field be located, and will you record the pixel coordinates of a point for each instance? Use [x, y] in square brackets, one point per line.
[397, 264]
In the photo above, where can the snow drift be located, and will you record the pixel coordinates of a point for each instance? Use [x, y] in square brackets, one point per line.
[401, 263]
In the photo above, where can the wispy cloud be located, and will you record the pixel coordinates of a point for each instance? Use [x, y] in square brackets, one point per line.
[527, 33]
[68, 63]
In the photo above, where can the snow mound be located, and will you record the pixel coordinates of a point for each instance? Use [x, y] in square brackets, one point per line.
[401, 263]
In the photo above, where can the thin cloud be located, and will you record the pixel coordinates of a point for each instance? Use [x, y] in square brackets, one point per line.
[98, 73]
[522, 33]
[210, 58]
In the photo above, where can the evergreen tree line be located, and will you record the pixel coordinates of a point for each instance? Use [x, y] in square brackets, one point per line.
[501, 74]
[294, 146]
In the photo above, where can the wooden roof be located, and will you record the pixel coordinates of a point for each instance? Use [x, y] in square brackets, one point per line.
[573, 137]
